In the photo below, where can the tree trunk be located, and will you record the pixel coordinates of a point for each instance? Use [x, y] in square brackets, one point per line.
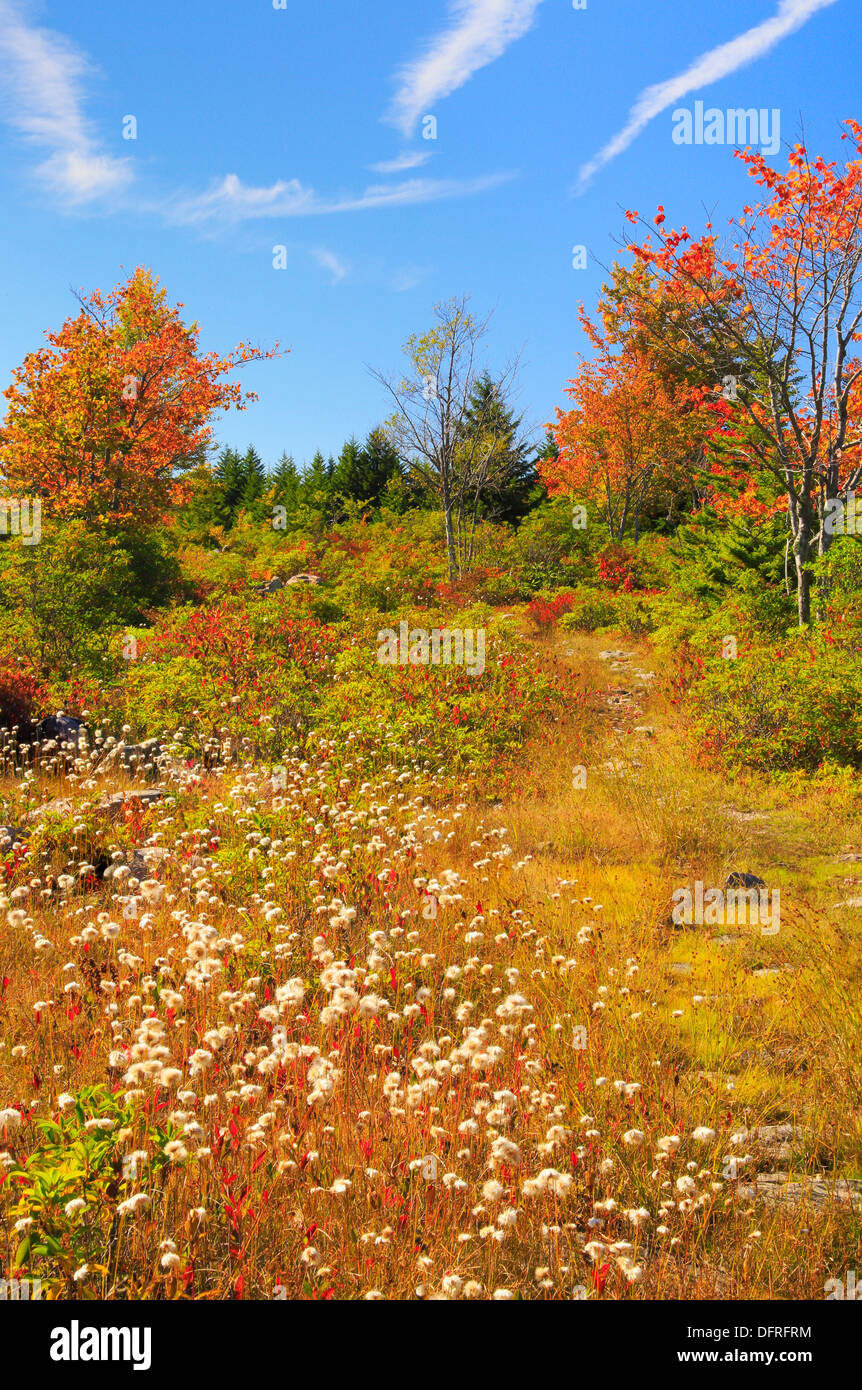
[801, 549]
[451, 550]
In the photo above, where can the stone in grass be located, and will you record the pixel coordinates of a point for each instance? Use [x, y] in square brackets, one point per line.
[133, 755]
[741, 880]
[63, 728]
[12, 834]
[144, 796]
[60, 806]
[850, 902]
[818, 1193]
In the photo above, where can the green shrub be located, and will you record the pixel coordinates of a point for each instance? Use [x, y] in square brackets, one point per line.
[591, 611]
[796, 705]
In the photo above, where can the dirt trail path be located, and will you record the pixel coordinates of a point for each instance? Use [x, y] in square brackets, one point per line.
[643, 819]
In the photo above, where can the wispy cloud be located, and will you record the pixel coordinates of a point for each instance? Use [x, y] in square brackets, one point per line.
[710, 67]
[410, 160]
[233, 201]
[329, 261]
[481, 30]
[407, 278]
[41, 96]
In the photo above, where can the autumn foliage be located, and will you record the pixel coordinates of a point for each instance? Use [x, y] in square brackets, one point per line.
[104, 420]
[784, 298]
[630, 432]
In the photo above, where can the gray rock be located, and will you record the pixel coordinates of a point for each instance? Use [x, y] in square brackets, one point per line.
[58, 807]
[304, 579]
[269, 586]
[776, 1188]
[9, 834]
[134, 756]
[146, 797]
[61, 727]
[741, 880]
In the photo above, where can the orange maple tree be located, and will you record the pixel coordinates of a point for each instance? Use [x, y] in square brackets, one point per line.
[631, 433]
[785, 301]
[105, 419]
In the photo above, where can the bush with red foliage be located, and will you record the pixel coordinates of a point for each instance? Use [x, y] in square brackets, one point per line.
[617, 570]
[545, 613]
[21, 696]
[467, 589]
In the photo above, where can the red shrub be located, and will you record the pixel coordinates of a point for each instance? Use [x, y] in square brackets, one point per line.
[545, 613]
[21, 694]
[618, 570]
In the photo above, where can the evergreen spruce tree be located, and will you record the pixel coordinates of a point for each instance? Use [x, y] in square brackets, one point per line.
[254, 482]
[512, 487]
[316, 490]
[347, 475]
[380, 466]
[363, 471]
[230, 480]
[286, 483]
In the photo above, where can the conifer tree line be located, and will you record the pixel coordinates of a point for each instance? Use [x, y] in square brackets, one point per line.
[365, 477]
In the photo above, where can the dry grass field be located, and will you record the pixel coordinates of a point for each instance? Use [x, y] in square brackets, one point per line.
[317, 1036]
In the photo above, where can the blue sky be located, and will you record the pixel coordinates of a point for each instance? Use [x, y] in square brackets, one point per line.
[303, 127]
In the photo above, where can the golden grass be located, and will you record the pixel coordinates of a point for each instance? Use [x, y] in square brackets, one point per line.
[464, 1138]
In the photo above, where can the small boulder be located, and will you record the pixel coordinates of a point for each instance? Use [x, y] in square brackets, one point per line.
[62, 727]
[134, 756]
[741, 880]
[265, 587]
[9, 834]
[60, 806]
[115, 803]
[304, 579]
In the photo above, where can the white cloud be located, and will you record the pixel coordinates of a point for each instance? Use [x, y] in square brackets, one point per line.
[407, 278]
[709, 67]
[481, 31]
[411, 160]
[329, 261]
[41, 96]
[233, 201]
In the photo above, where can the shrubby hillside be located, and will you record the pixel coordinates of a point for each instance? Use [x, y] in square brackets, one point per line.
[432, 872]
